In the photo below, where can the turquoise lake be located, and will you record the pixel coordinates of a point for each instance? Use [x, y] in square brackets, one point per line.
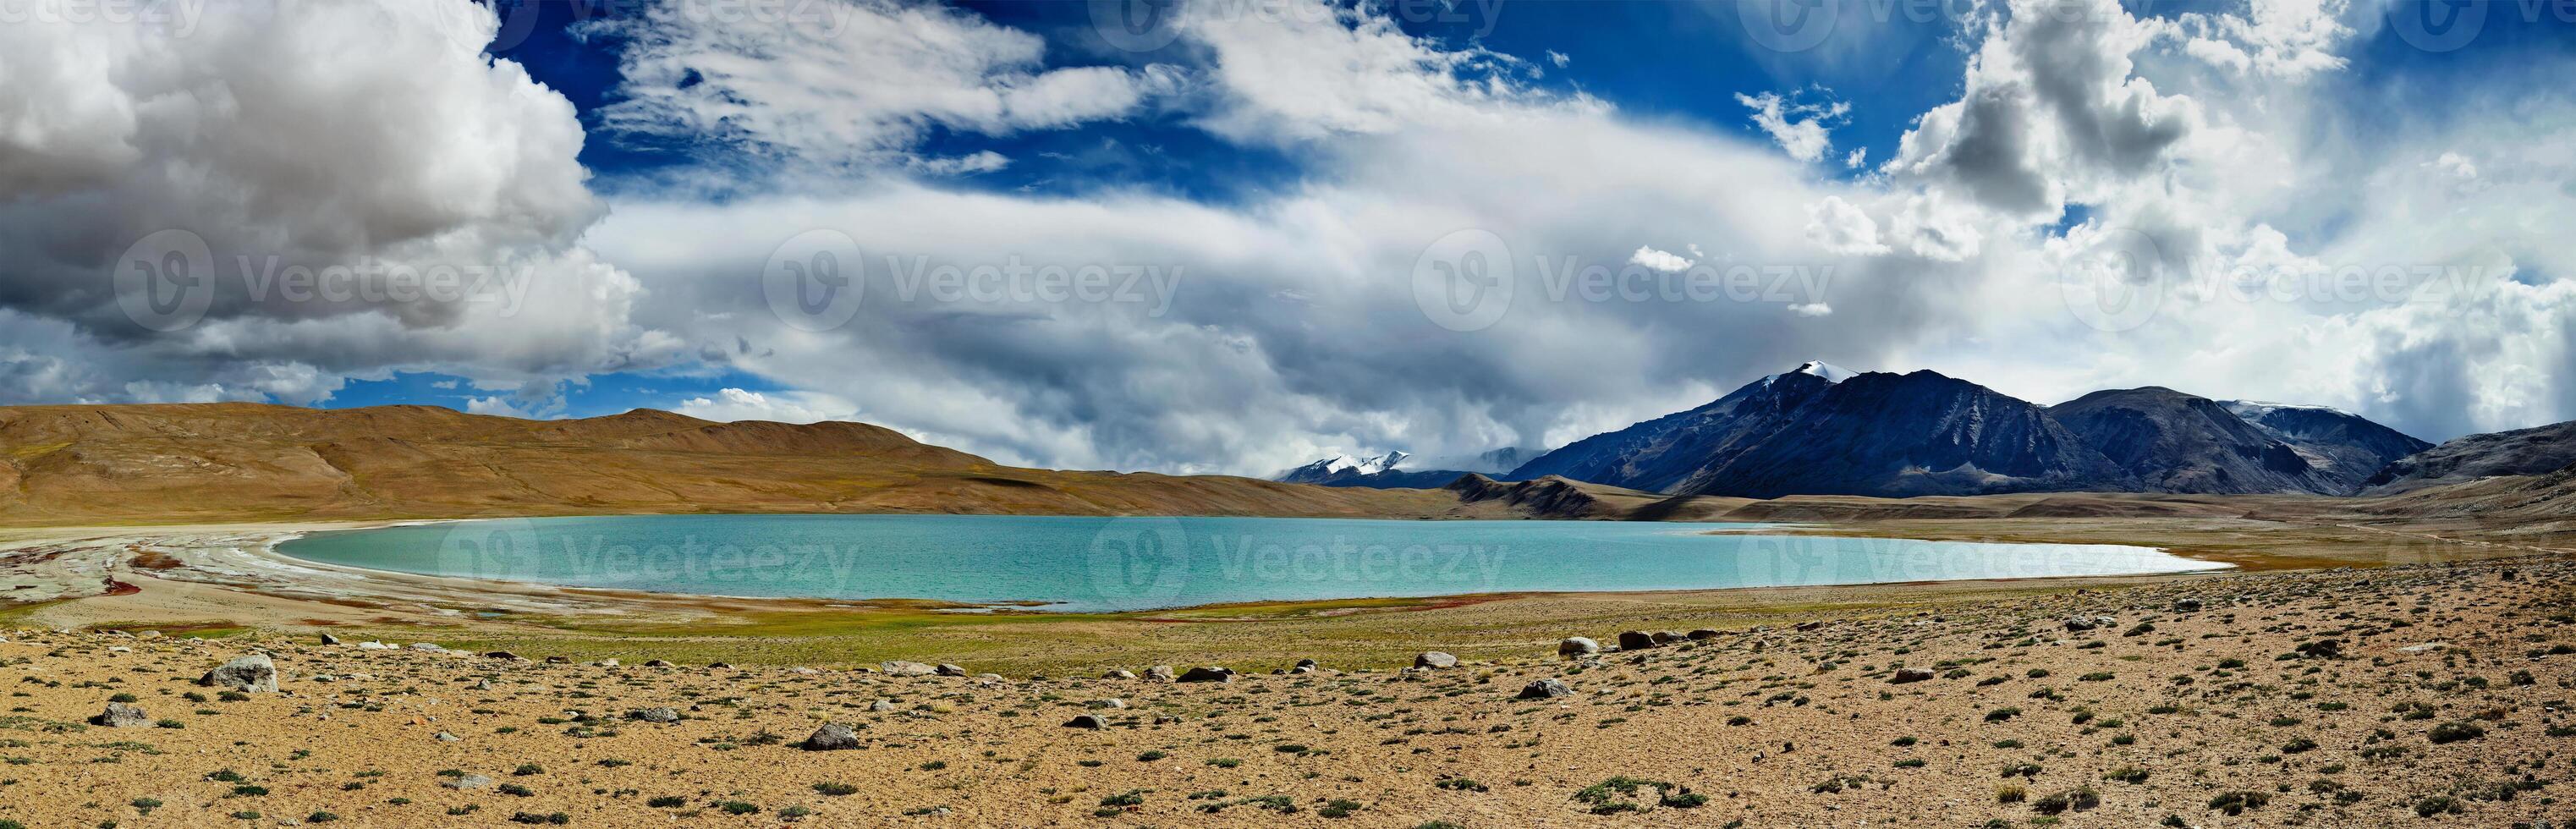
[1114, 564]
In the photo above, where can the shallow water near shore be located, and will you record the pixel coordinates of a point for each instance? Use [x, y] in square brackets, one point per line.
[1090, 564]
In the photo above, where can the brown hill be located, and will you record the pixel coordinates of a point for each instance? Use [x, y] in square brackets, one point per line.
[235, 461]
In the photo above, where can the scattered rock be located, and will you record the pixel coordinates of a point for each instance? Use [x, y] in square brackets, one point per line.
[1159, 673]
[659, 714]
[1546, 689]
[1906, 675]
[1635, 640]
[1112, 702]
[466, 782]
[253, 673]
[830, 737]
[505, 656]
[881, 706]
[445, 737]
[946, 669]
[606, 663]
[1089, 721]
[1118, 673]
[558, 660]
[902, 668]
[1208, 674]
[121, 715]
[329, 639]
[1703, 634]
[660, 663]
[1435, 659]
[2187, 606]
[1667, 637]
[1574, 646]
[426, 646]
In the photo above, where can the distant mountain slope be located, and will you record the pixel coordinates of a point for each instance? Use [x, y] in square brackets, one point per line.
[2176, 442]
[1660, 454]
[1819, 430]
[233, 462]
[2342, 446]
[2536, 451]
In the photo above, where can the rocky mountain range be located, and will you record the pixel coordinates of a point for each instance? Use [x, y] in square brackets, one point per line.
[1382, 472]
[1820, 430]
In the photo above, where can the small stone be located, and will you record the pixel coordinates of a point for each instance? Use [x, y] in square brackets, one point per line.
[1577, 646]
[658, 714]
[606, 663]
[1703, 634]
[1906, 675]
[902, 668]
[1434, 659]
[445, 737]
[1087, 721]
[1208, 674]
[558, 660]
[426, 646]
[2187, 606]
[329, 639]
[831, 737]
[1546, 689]
[660, 663]
[1118, 673]
[1112, 702]
[253, 673]
[466, 782]
[881, 706]
[121, 715]
[505, 656]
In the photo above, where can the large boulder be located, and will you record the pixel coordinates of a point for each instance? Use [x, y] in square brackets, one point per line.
[1703, 634]
[946, 669]
[1635, 640]
[902, 668]
[1087, 721]
[253, 673]
[1667, 637]
[1546, 689]
[1208, 674]
[1574, 646]
[121, 715]
[830, 737]
[1434, 659]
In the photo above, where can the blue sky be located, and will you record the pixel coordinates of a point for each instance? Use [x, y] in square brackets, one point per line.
[2315, 201]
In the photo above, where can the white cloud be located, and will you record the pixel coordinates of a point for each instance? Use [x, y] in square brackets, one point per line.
[1659, 260]
[858, 85]
[1799, 126]
[779, 406]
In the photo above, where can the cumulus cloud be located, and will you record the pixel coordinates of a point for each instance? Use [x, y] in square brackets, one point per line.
[254, 161]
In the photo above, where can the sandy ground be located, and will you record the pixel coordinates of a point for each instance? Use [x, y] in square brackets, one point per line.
[2440, 700]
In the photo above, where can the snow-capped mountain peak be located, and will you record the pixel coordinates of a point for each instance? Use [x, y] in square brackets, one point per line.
[2254, 409]
[1363, 465]
[1816, 368]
